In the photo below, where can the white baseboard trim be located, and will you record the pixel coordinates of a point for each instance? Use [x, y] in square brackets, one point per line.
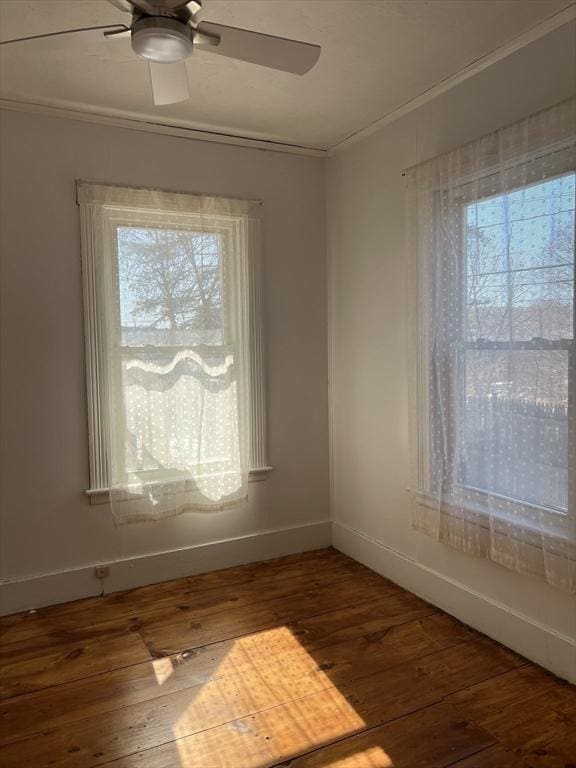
[61, 587]
[546, 647]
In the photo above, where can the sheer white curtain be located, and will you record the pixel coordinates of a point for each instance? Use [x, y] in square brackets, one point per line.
[491, 241]
[171, 287]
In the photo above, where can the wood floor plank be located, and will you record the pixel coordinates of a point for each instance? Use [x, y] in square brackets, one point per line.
[432, 738]
[493, 757]
[212, 713]
[522, 687]
[371, 676]
[166, 636]
[308, 664]
[526, 710]
[29, 665]
[28, 656]
[209, 592]
[560, 753]
[342, 624]
[200, 607]
[470, 663]
[311, 659]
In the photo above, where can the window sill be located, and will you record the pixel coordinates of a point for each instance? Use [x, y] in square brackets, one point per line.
[102, 495]
[551, 524]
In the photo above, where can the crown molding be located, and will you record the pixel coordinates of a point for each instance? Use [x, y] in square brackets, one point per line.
[542, 29]
[134, 123]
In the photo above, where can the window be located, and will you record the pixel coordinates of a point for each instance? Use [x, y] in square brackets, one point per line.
[491, 229]
[174, 349]
[519, 343]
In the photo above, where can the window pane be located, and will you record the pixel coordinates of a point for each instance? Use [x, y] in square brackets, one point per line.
[177, 374]
[515, 425]
[170, 287]
[513, 433]
[520, 263]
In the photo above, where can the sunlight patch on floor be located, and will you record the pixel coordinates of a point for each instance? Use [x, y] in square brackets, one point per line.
[273, 669]
[373, 757]
[163, 668]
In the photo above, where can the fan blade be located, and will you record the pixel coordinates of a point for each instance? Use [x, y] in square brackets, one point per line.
[118, 47]
[122, 5]
[173, 5]
[82, 34]
[265, 50]
[169, 82]
[157, 7]
[148, 7]
[203, 38]
[118, 34]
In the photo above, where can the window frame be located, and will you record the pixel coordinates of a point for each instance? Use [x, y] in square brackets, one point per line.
[95, 271]
[551, 519]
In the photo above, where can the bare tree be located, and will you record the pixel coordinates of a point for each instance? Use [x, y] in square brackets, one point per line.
[515, 294]
[170, 279]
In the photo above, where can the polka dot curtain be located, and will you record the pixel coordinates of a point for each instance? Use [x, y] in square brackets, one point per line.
[172, 297]
[493, 364]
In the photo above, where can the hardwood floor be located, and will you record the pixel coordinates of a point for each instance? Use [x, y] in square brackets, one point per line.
[309, 661]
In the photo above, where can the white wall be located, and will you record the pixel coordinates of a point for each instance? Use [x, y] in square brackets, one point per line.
[368, 370]
[47, 524]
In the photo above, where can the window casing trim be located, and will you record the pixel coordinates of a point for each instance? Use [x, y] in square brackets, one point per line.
[95, 339]
[553, 520]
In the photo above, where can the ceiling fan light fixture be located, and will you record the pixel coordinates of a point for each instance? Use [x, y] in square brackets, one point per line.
[161, 39]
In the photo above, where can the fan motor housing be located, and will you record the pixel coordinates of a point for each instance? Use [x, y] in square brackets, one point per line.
[162, 39]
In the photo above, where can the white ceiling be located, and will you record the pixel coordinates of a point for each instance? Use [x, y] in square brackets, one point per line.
[376, 56]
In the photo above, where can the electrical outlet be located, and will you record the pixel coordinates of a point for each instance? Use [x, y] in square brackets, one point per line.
[102, 571]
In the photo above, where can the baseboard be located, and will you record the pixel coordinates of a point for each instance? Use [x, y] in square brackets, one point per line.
[548, 648]
[61, 587]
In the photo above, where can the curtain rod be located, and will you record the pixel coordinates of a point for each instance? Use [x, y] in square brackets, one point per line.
[162, 190]
[565, 102]
[500, 167]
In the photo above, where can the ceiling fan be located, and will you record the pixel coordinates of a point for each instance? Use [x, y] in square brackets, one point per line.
[165, 33]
